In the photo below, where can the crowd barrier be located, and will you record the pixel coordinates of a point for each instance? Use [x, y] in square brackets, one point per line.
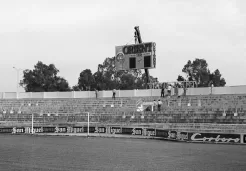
[139, 131]
[122, 93]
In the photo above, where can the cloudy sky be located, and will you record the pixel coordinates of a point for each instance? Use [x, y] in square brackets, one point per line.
[78, 34]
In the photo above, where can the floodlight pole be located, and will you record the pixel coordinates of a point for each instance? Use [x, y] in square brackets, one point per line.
[32, 124]
[17, 81]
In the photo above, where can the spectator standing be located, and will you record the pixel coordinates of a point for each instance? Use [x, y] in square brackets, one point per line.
[96, 93]
[176, 90]
[154, 105]
[211, 87]
[169, 88]
[162, 91]
[114, 92]
[185, 89]
[159, 105]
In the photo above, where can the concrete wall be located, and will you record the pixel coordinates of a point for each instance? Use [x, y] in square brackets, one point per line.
[122, 93]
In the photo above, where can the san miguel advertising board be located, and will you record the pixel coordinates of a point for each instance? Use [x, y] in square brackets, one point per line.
[135, 131]
[135, 56]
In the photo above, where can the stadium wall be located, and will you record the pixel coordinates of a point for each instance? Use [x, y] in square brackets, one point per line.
[123, 93]
[144, 132]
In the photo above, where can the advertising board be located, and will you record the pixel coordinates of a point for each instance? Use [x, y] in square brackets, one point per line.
[115, 130]
[135, 56]
[214, 137]
[149, 132]
[244, 138]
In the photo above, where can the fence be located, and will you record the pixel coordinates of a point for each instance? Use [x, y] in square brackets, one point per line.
[122, 93]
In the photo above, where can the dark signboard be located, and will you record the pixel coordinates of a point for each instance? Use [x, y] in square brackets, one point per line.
[244, 138]
[127, 131]
[115, 130]
[101, 130]
[49, 129]
[6, 130]
[149, 132]
[38, 129]
[161, 133]
[137, 131]
[18, 130]
[214, 137]
[177, 135]
[75, 129]
[91, 129]
[60, 129]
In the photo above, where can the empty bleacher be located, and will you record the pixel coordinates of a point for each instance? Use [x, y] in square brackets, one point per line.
[210, 112]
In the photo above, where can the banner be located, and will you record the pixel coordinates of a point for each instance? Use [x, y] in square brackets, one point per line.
[6, 130]
[127, 131]
[137, 131]
[115, 130]
[150, 132]
[177, 135]
[214, 137]
[91, 129]
[162, 133]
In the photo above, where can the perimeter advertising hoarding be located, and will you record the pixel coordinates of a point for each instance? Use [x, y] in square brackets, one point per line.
[166, 134]
[214, 137]
[135, 56]
[132, 131]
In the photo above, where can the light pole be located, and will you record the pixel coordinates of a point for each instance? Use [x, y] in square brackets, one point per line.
[30, 105]
[32, 124]
[17, 81]
[88, 124]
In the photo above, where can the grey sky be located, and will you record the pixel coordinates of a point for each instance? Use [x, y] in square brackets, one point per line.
[76, 35]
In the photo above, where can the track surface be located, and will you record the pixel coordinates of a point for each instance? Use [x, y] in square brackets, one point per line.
[52, 153]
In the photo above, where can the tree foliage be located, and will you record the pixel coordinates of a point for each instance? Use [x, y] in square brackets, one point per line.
[43, 78]
[198, 71]
[107, 78]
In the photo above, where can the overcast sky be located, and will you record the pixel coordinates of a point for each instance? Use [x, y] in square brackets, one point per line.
[79, 34]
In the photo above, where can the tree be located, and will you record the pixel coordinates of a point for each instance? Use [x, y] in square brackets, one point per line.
[86, 80]
[43, 78]
[198, 71]
[107, 78]
[215, 77]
